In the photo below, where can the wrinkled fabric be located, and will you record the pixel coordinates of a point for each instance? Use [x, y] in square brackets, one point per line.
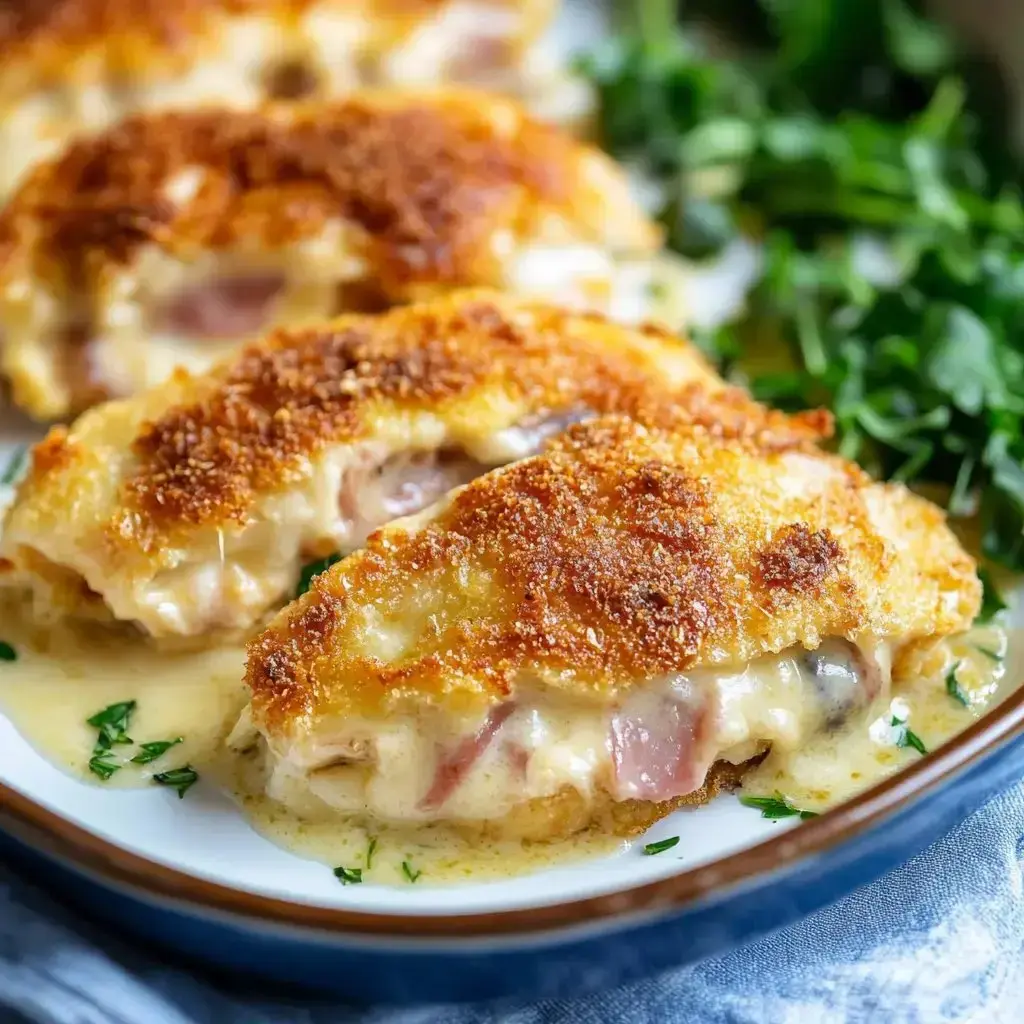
[940, 939]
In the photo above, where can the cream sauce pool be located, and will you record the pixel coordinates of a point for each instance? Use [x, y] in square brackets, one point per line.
[63, 676]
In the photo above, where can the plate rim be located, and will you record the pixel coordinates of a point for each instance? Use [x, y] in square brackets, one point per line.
[749, 866]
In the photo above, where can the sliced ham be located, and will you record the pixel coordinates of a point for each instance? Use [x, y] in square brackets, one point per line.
[455, 765]
[654, 744]
[225, 307]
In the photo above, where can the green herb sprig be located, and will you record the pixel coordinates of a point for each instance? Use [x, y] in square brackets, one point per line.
[409, 873]
[777, 806]
[651, 849]
[349, 876]
[313, 569]
[953, 688]
[830, 121]
[180, 779]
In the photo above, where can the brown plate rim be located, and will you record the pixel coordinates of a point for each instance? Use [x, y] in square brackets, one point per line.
[98, 856]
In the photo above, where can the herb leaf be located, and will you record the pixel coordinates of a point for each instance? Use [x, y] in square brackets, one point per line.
[101, 765]
[182, 779]
[149, 752]
[907, 738]
[408, 871]
[7, 652]
[13, 470]
[661, 846]
[112, 723]
[312, 569]
[370, 850]
[349, 876]
[776, 806]
[953, 688]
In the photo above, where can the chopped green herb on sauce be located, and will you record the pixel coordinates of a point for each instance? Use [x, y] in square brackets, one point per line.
[13, 470]
[182, 779]
[149, 752]
[777, 806]
[991, 655]
[349, 876]
[370, 850]
[408, 871]
[661, 846]
[953, 688]
[908, 738]
[101, 765]
[7, 652]
[112, 723]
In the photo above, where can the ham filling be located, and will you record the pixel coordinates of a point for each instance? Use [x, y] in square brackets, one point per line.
[224, 308]
[655, 745]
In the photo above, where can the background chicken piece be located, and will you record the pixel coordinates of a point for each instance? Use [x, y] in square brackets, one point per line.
[601, 633]
[172, 237]
[193, 506]
[78, 65]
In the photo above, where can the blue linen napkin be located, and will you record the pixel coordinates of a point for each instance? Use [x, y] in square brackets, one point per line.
[940, 939]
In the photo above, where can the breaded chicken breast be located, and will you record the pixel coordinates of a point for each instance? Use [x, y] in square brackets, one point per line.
[193, 506]
[79, 65]
[173, 237]
[603, 632]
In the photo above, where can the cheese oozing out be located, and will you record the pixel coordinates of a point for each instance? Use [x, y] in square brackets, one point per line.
[654, 742]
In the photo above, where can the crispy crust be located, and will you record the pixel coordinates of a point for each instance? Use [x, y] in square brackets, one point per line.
[42, 37]
[623, 553]
[428, 183]
[568, 811]
[172, 469]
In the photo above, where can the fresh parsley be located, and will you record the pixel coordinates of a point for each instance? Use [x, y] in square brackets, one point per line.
[101, 765]
[990, 654]
[371, 848]
[408, 871]
[13, 470]
[830, 122]
[349, 876]
[112, 723]
[906, 736]
[313, 569]
[954, 690]
[7, 652]
[661, 846]
[149, 752]
[776, 806]
[181, 779]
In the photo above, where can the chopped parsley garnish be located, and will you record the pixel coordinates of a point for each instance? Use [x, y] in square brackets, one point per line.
[12, 471]
[990, 654]
[953, 689]
[349, 876]
[831, 123]
[7, 652]
[370, 850]
[101, 765]
[155, 748]
[907, 738]
[992, 602]
[661, 846]
[777, 806]
[112, 723]
[182, 779]
[408, 871]
[311, 569]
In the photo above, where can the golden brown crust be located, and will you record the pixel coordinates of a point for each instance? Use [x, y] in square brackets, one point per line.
[51, 32]
[302, 390]
[426, 181]
[623, 553]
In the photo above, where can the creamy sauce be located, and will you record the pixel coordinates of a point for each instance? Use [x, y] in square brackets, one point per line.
[64, 676]
[835, 765]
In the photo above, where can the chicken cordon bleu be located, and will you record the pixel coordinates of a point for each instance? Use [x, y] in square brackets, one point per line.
[78, 65]
[602, 633]
[173, 237]
[192, 507]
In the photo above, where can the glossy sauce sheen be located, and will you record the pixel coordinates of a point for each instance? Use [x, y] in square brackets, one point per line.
[62, 677]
